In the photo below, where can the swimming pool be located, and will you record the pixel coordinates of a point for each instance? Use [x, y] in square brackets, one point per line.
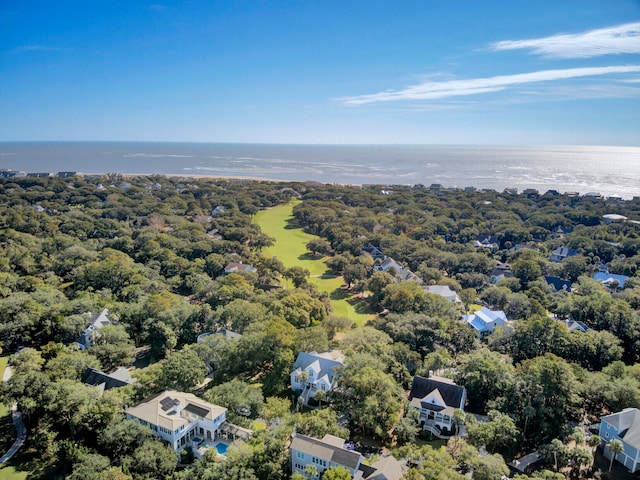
[220, 447]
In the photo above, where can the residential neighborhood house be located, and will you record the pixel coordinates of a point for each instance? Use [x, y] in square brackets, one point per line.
[331, 451]
[444, 291]
[234, 267]
[323, 453]
[400, 273]
[436, 398]
[575, 326]
[487, 242]
[179, 418]
[106, 381]
[314, 372]
[558, 284]
[96, 322]
[610, 279]
[374, 251]
[560, 253]
[623, 426]
[484, 321]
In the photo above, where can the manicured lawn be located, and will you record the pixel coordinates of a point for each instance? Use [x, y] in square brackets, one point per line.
[290, 248]
[8, 472]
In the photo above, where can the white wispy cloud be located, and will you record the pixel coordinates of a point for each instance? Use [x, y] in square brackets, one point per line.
[431, 90]
[37, 48]
[612, 40]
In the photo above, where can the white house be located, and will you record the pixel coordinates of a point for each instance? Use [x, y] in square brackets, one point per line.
[401, 274]
[484, 321]
[178, 418]
[234, 267]
[436, 398]
[444, 291]
[96, 322]
[313, 372]
[323, 453]
[623, 426]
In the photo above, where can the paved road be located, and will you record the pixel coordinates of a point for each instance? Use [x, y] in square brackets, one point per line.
[21, 430]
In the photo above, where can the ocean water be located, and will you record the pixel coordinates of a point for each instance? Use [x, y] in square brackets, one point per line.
[609, 170]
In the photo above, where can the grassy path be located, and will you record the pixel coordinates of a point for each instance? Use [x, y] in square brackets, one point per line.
[290, 248]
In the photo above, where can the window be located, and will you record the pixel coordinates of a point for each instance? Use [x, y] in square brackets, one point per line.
[300, 455]
[319, 461]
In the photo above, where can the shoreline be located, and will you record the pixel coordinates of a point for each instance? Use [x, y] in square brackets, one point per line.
[247, 178]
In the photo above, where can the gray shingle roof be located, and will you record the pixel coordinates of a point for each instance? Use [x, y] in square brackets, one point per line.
[95, 378]
[322, 449]
[450, 392]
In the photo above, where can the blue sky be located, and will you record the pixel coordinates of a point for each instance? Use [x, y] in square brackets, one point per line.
[432, 72]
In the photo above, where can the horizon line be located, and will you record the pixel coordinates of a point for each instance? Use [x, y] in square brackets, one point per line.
[317, 144]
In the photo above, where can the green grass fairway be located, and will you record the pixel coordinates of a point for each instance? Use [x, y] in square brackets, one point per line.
[290, 248]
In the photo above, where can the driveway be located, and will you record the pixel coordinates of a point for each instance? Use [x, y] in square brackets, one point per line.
[21, 430]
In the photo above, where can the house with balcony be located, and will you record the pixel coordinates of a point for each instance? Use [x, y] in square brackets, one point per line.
[314, 372]
[436, 399]
[623, 426]
[179, 418]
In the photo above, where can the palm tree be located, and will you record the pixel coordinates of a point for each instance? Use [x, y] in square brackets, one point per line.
[578, 436]
[556, 447]
[528, 412]
[320, 395]
[595, 441]
[310, 471]
[615, 446]
[303, 376]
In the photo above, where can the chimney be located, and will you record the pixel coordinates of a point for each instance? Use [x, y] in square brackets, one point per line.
[176, 406]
